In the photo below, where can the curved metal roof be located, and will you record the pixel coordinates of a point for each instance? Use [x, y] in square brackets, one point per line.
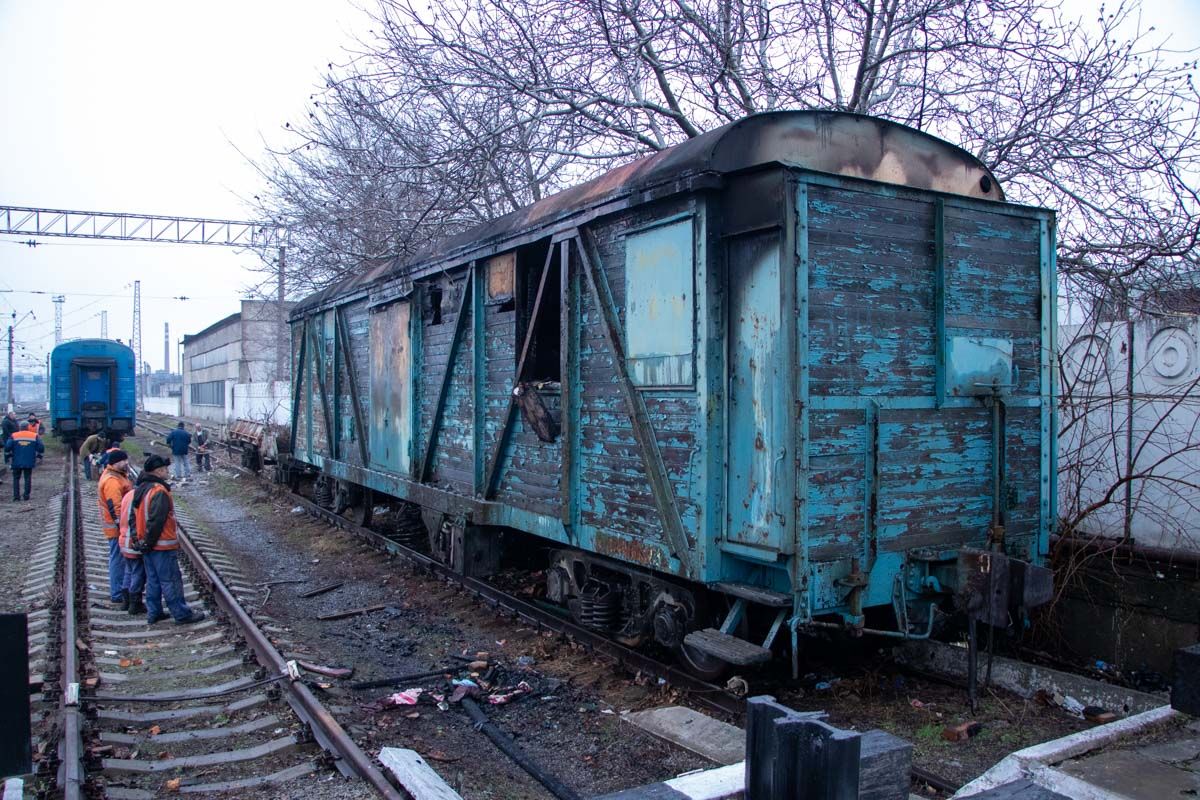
[839, 143]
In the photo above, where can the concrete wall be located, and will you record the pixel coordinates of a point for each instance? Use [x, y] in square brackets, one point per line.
[1104, 410]
[262, 401]
[162, 405]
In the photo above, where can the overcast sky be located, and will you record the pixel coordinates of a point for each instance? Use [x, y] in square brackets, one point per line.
[137, 107]
[141, 107]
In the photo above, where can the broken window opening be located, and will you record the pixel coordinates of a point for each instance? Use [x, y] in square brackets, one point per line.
[435, 303]
[542, 365]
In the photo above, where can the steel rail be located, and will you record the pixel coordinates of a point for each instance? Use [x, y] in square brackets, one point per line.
[328, 731]
[71, 775]
[711, 696]
[714, 697]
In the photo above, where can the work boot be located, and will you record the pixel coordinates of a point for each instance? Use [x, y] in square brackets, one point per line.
[122, 602]
[136, 606]
[196, 616]
[158, 618]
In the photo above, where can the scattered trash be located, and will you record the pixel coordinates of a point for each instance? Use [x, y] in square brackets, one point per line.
[110, 652]
[607, 711]
[315, 561]
[408, 697]
[476, 665]
[154, 730]
[524, 661]
[915, 703]
[298, 510]
[438, 755]
[962, 731]
[501, 642]
[1073, 706]
[413, 715]
[502, 697]
[130, 662]
[173, 784]
[1098, 715]
[823, 686]
[443, 705]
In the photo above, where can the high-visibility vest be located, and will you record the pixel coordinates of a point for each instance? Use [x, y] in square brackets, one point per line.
[113, 486]
[123, 539]
[169, 540]
[35, 428]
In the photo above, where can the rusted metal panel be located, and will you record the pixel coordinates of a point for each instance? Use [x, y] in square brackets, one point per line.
[660, 304]
[758, 421]
[501, 276]
[391, 388]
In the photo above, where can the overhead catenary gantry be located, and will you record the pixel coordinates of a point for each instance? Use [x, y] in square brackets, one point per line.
[122, 226]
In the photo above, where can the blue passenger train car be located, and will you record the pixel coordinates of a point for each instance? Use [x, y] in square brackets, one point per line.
[795, 373]
[92, 388]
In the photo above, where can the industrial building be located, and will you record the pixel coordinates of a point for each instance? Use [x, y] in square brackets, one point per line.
[235, 369]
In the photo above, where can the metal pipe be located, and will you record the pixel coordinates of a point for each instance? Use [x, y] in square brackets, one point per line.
[1118, 547]
[511, 749]
[327, 730]
[878, 632]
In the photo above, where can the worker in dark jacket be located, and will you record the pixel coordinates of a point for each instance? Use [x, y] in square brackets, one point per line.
[179, 441]
[203, 455]
[7, 429]
[90, 450]
[157, 535]
[24, 449]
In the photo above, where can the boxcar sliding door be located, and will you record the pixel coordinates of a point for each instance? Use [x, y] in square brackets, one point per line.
[757, 421]
[391, 388]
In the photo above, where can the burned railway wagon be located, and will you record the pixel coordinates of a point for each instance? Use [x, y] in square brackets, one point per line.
[793, 373]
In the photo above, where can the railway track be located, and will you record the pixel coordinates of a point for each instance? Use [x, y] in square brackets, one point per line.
[141, 710]
[709, 696]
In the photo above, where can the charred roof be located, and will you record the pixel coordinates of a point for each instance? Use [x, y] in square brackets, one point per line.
[838, 143]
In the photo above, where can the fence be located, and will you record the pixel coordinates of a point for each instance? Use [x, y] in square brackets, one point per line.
[262, 402]
[162, 405]
[1129, 450]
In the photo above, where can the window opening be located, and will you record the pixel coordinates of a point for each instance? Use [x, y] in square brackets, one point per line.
[542, 364]
[435, 303]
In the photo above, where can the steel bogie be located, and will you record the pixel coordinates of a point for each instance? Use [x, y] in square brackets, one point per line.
[753, 361]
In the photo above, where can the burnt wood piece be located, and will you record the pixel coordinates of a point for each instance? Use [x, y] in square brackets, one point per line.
[656, 471]
[439, 405]
[321, 589]
[727, 648]
[493, 473]
[534, 411]
[343, 337]
[352, 612]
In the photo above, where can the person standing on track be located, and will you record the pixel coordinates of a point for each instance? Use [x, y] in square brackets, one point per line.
[114, 485]
[24, 449]
[179, 440]
[91, 448]
[156, 532]
[34, 424]
[203, 457]
[135, 570]
[7, 429]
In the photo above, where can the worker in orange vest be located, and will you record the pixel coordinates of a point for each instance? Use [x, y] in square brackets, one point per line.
[114, 485]
[135, 570]
[157, 535]
[35, 425]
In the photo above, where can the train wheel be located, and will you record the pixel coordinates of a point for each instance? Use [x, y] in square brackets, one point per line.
[702, 665]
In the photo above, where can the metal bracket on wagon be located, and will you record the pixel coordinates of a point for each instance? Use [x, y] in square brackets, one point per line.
[994, 588]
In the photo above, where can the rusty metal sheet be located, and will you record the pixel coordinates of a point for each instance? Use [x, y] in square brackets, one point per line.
[660, 305]
[500, 272]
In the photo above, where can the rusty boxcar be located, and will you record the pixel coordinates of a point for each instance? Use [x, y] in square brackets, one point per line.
[787, 372]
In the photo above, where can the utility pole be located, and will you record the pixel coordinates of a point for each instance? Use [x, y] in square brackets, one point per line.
[136, 341]
[103, 324]
[166, 347]
[58, 304]
[9, 407]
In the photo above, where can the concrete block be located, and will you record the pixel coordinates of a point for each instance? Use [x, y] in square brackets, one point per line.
[1185, 684]
[697, 733]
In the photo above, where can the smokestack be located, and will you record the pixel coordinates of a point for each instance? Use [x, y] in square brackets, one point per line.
[166, 347]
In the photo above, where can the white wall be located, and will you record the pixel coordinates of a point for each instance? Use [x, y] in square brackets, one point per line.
[1095, 422]
[162, 405]
[260, 401]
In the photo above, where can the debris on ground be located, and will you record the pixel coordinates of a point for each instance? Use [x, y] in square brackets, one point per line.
[351, 612]
[962, 731]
